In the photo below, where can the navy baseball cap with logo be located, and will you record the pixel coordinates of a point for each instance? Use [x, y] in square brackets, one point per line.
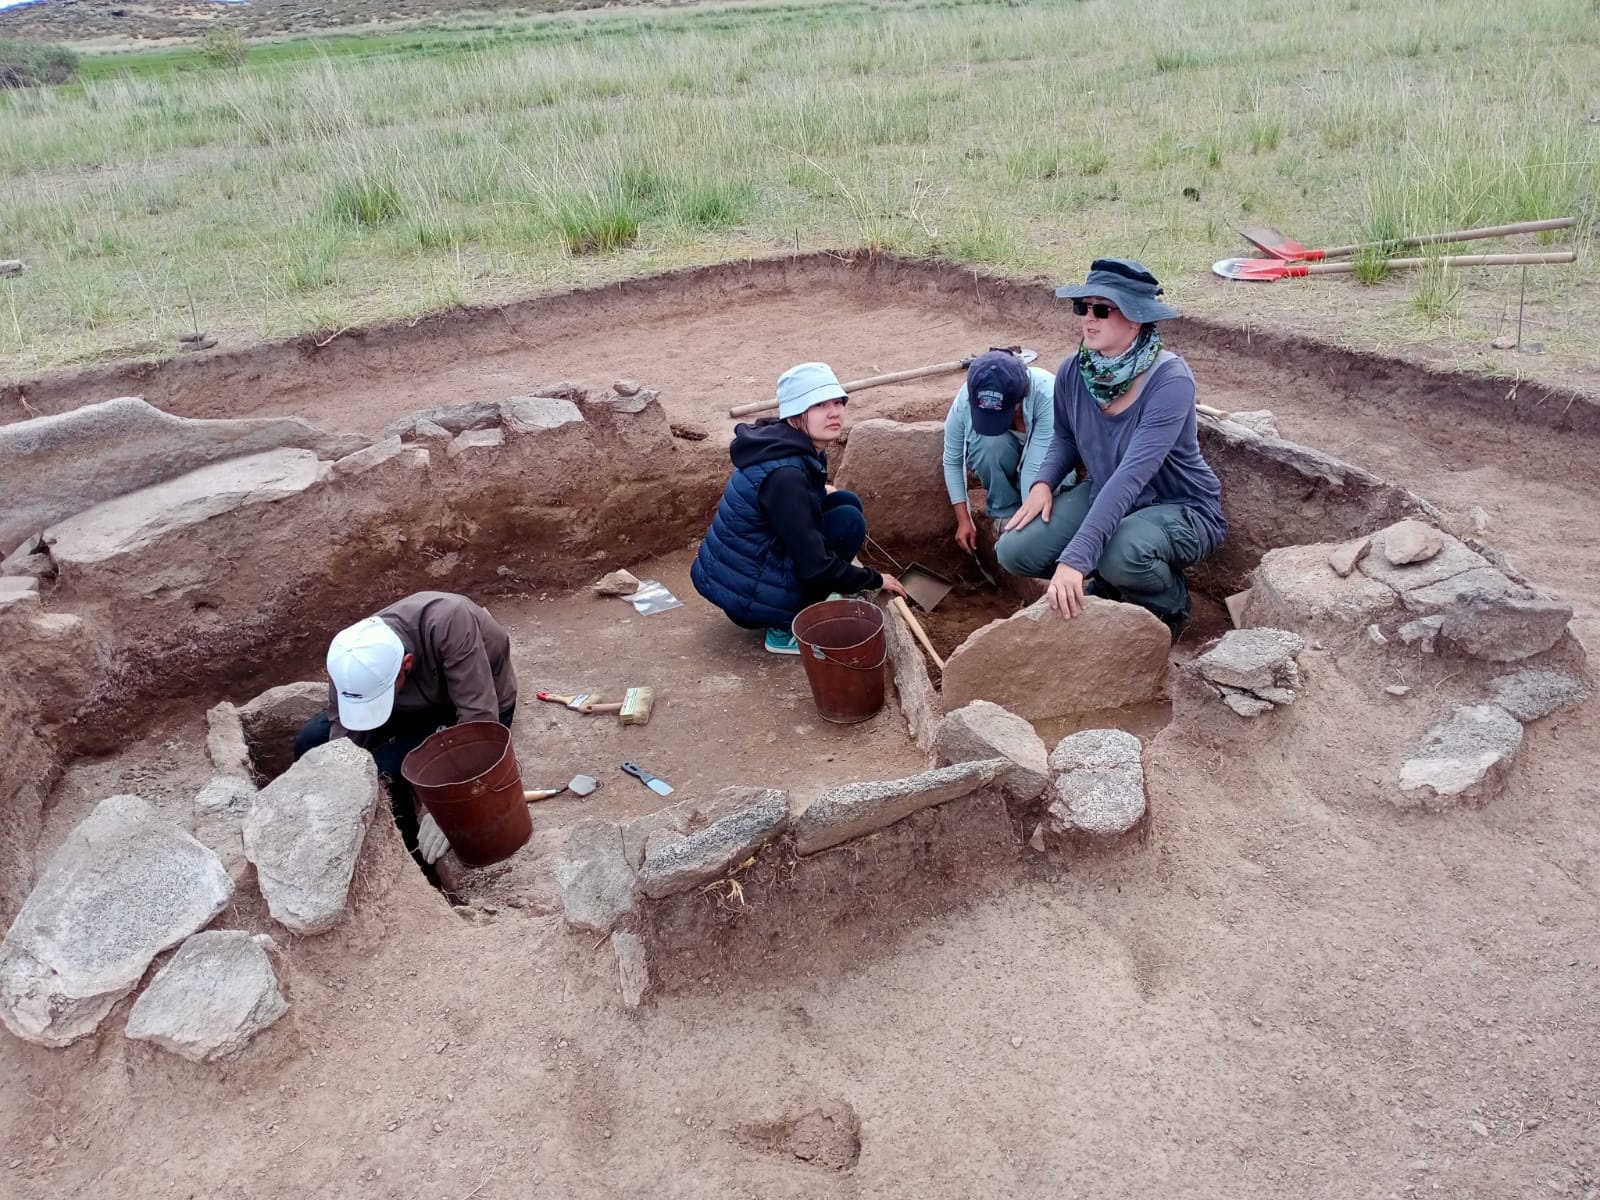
[996, 383]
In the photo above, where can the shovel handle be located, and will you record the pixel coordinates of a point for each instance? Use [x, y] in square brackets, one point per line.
[858, 385]
[1456, 260]
[541, 794]
[921, 634]
[1433, 239]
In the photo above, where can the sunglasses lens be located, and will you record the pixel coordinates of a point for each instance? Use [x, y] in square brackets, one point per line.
[1083, 308]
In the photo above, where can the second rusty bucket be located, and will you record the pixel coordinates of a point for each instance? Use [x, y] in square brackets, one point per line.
[467, 777]
[843, 649]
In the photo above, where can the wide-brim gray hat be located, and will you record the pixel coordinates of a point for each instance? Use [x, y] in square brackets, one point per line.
[1127, 284]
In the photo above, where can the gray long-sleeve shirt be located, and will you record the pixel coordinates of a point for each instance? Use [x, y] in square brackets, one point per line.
[461, 658]
[1147, 454]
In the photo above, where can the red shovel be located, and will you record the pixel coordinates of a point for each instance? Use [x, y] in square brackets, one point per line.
[1266, 270]
[1286, 249]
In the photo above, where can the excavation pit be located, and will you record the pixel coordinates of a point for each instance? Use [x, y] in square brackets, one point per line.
[1271, 874]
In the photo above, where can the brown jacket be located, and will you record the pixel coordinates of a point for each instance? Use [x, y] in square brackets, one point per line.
[461, 657]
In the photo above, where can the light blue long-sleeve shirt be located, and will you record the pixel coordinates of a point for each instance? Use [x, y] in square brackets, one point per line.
[962, 445]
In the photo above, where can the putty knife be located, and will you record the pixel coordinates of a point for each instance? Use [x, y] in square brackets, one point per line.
[659, 786]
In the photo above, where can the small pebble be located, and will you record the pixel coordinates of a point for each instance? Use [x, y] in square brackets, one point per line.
[1016, 1041]
[1398, 689]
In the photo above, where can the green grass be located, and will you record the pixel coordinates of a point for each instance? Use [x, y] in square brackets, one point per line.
[339, 179]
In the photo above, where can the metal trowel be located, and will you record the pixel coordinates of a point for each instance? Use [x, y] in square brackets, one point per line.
[579, 785]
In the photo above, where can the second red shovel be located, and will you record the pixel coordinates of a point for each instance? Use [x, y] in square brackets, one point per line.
[1268, 270]
[1286, 249]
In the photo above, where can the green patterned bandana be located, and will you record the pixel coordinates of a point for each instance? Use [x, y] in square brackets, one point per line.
[1109, 378]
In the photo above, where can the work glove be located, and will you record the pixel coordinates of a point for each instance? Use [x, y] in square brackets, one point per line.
[431, 842]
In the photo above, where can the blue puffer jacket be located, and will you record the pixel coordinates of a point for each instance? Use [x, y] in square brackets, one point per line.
[741, 567]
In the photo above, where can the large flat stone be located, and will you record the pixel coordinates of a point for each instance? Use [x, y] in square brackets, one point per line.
[756, 816]
[598, 884]
[980, 731]
[1297, 587]
[134, 521]
[535, 414]
[125, 886]
[225, 744]
[919, 701]
[1253, 659]
[1452, 558]
[1532, 693]
[52, 467]
[856, 809]
[1475, 582]
[1462, 760]
[1505, 628]
[372, 456]
[217, 992]
[452, 418]
[272, 719]
[1100, 791]
[1040, 665]
[894, 466]
[305, 830]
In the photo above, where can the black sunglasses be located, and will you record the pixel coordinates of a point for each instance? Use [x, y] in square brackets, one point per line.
[1083, 308]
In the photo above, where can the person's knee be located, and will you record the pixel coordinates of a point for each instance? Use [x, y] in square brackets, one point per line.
[312, 734]
[388, 758]
[1131, 562]
[839, 498]
[845, 528]
[1019, 555]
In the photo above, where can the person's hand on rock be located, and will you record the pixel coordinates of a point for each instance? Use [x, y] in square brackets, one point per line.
[1065, 592]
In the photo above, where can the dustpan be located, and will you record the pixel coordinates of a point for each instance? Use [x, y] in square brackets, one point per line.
[925, 587]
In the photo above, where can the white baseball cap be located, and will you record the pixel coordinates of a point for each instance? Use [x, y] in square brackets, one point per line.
[806, 385]
[363, 662]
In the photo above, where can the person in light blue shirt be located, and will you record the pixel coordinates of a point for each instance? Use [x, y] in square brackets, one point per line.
[999, 428]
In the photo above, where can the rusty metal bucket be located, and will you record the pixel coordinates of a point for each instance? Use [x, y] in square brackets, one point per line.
[467, 777]
[843, 649]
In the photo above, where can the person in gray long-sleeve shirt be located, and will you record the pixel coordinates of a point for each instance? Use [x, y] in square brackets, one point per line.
[430, 660]
[1151, 505]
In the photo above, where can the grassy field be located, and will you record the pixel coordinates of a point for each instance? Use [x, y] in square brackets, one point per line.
[332, 181]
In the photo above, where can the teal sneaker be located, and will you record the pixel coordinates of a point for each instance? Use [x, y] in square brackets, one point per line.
[781, 641]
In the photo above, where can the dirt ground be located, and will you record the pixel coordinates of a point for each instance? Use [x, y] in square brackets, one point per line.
[1288, 989]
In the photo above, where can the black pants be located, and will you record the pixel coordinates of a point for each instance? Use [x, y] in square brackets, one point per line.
[389, 744]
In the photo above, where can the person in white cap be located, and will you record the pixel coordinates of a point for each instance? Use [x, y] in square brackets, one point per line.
[783, 537]
[429, 661]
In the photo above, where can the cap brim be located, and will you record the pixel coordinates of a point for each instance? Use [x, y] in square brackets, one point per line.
[362, 715]
[988, 423]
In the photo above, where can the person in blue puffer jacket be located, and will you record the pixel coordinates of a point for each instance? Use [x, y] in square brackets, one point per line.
[783, 537]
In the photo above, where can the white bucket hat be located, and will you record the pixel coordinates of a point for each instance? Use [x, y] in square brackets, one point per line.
[808, 384]
[363, 662]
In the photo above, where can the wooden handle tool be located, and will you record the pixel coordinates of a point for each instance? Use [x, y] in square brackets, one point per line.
[921, 634]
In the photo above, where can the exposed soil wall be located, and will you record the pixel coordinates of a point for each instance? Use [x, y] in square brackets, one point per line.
[245, 597]
[230, 383]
